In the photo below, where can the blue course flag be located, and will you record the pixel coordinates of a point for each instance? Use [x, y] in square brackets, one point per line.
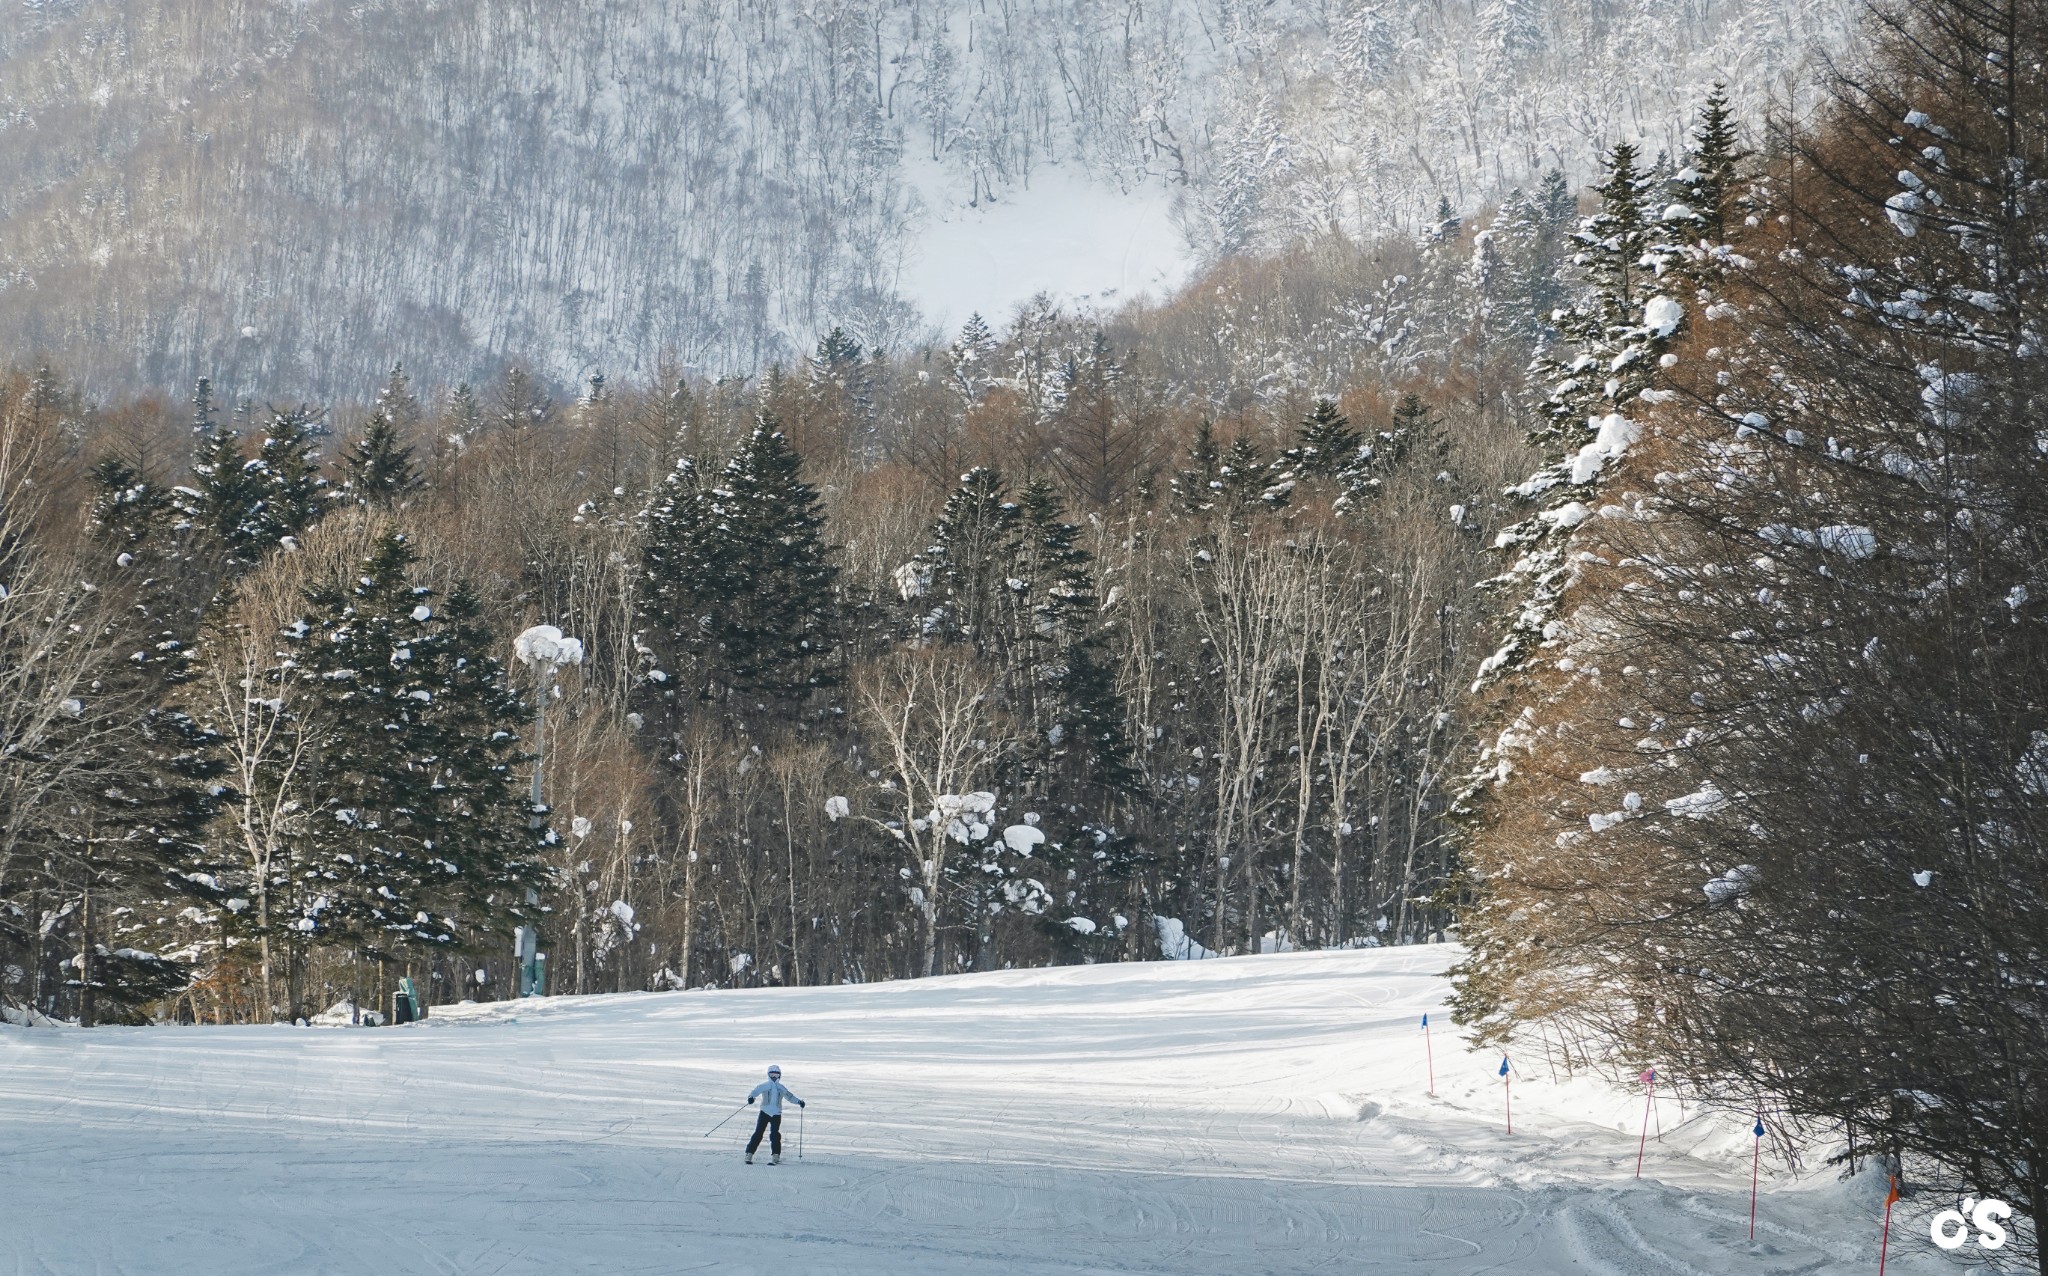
[1503, 1065]
[1425, 1021]
[1759, 1127]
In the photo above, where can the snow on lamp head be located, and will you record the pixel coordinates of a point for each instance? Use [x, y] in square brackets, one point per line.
[546, 646]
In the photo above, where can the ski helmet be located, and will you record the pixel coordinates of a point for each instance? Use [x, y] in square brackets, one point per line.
[774, 1071]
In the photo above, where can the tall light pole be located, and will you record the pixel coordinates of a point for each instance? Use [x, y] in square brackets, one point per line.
[545, 650]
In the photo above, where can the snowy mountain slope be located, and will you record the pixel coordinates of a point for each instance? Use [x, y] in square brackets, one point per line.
[289, 195]
[1244, 1115]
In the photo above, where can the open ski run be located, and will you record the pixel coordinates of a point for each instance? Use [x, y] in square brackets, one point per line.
[1246, 1115]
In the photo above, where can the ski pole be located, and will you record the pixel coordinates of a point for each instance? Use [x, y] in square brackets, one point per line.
[801, 1109]
[728, 1116]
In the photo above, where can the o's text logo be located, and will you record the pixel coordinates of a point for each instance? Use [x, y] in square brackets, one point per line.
[1951, 1229]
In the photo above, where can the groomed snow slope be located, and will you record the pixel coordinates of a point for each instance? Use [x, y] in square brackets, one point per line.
[1238, 1116]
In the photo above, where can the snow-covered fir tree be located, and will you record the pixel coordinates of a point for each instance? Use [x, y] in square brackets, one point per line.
[378, 468]
[738, 574]
[1613, 339]
[291, 493]
[418, 834]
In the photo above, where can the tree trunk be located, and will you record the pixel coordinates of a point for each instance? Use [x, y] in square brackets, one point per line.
[1217, 937]
[263, 946]
[1251, 902]
[86, 1001]
[796, 959]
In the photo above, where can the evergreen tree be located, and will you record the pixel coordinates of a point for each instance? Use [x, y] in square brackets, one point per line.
[1061, 635]
[1245, 482]
[1448, 223]
[778, 631]
[465, 412]
[970, 361]
[378, 468]
[129, 825]
[1614, 242]
[225, 498]
[1613, 341]
[397, 402]
[1554, 200]
[1413, 431]
[127, 508]
[1325, 444]
[838, 366]
[1516, 271]
[1058, 572]
[291, 494]
[672, 544]
[202, 407]
[1618, 331]
[1707, 183]
[423, 836]
[1196, 486]
[738, 577]
[1512, 29]
[972, 552]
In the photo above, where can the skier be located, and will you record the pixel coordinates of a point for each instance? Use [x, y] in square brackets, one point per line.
[771, 1093]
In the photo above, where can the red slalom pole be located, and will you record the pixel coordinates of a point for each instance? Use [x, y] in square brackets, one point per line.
[1429, 1056]
[1755, 1163]
[1650, 1089]
[1885, 1242]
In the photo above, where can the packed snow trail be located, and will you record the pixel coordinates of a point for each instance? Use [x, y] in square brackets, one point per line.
[1245, 1115]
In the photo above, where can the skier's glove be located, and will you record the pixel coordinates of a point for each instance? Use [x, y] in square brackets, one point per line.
[800, 1103]
[750, 1102]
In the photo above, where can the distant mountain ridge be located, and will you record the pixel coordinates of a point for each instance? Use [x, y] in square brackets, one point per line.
[291, 195]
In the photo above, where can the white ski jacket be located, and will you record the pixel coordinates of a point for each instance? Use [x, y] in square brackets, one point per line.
[771, 1094]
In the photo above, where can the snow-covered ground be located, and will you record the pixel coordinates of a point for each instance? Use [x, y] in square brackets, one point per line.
[1238, 1116]
[1069, 236]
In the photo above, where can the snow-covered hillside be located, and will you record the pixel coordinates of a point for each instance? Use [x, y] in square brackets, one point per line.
[290, 195]
[1236, 1116]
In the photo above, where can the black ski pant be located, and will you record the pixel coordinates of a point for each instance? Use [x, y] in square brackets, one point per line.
[771, 1124]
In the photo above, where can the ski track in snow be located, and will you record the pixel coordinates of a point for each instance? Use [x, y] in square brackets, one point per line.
[1247, 1115]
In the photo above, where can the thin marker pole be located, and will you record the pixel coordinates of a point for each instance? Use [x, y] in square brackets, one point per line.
[1429, 1056]
[1505, 1096]
[1884, 1243]
[1755, 1163]
[1650, 1089]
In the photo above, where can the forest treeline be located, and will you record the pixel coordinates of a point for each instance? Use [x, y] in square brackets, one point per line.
[1642, 584]
[291, 195]
[992, 654]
